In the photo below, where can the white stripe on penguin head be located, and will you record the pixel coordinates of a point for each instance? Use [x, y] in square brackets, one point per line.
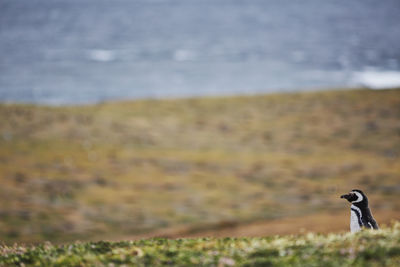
[359, 197]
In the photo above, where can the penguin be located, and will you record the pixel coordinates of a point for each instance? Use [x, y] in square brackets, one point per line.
[360, 214]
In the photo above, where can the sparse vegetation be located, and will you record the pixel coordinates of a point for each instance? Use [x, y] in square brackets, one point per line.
[127, 168]
[367, 248]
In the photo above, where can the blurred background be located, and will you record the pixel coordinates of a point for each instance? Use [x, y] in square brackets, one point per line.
[70, 51]
[132, 118]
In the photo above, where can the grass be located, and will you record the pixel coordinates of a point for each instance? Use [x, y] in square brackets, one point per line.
[130, 168]
[366, 248]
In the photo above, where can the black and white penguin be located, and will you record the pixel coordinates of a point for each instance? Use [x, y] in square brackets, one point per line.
[360, 214]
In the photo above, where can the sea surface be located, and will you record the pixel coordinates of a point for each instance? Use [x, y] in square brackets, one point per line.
[87, 51]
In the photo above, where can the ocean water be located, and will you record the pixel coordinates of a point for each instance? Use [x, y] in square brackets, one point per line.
[86, 51]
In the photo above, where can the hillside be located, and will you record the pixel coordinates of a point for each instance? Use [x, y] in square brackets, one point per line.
[367, 248]
[153, 167]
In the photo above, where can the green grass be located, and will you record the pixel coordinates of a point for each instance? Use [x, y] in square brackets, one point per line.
[125, 168]
[366, 248]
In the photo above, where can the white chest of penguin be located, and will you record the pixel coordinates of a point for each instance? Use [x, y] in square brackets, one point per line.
[355, 219]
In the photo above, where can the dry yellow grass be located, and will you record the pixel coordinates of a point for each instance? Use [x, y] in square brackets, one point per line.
[125, 168]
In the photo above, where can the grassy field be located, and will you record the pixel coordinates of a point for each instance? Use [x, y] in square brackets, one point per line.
[193, 166]
[367, 248]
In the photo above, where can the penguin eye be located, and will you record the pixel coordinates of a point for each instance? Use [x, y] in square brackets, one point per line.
[357, 196]
[353, 196]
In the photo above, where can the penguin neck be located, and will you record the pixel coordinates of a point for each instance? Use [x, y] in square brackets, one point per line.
[362, 204]
[362, 207]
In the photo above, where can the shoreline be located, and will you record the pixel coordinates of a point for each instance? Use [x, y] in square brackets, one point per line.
[192, 97]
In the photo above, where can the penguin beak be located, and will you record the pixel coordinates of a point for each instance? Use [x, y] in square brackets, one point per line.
[347, 196]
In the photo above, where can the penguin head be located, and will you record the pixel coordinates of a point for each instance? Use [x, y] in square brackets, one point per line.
[356, 197]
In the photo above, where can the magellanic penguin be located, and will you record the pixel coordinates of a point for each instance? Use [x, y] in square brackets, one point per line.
[360, 214]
